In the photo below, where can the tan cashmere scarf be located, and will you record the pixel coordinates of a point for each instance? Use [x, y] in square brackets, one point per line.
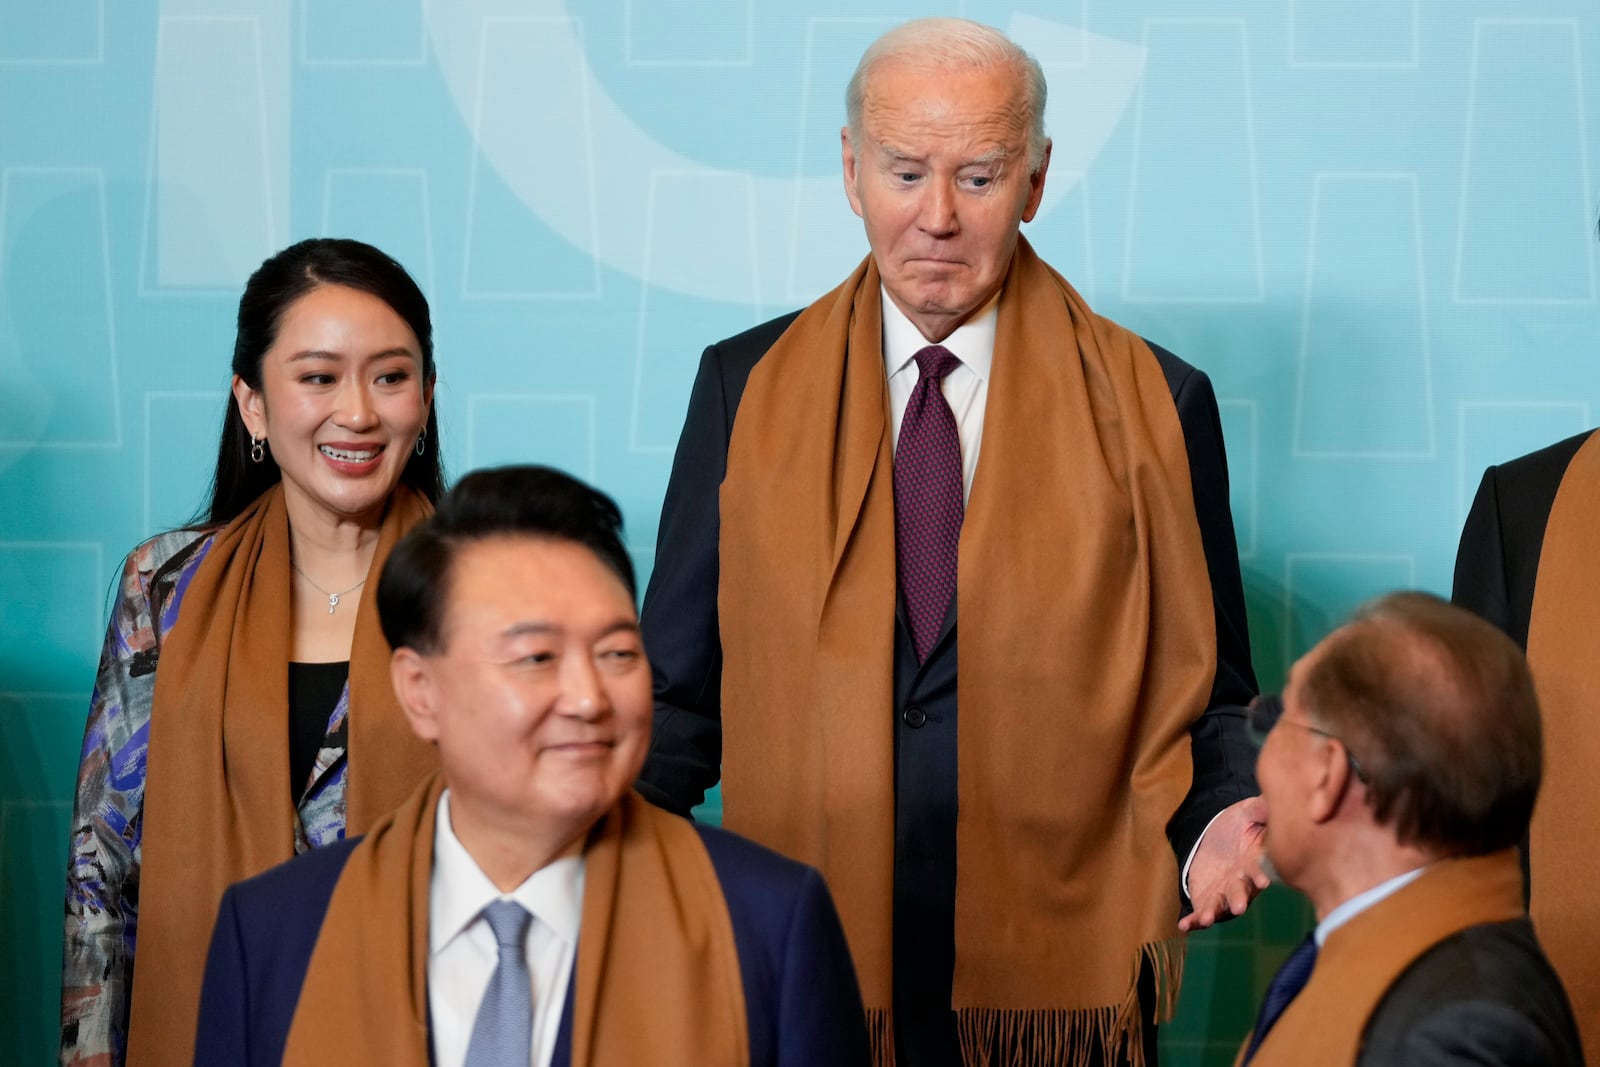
[657, 978]
[1324, 1025]
[217, 806]
[1566, 672]
[1087, 649]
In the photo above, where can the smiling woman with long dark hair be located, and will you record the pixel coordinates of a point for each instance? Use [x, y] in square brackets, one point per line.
[242, 710]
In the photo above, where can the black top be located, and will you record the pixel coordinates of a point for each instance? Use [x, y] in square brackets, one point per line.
[314, 691]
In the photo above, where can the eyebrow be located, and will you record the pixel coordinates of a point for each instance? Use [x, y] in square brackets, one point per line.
[525, 629]
[318, 353]
[990, 158]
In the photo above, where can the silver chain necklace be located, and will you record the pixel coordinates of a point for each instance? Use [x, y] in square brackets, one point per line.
[333, 598]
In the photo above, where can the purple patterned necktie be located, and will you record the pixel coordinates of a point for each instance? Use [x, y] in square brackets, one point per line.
[928, 500]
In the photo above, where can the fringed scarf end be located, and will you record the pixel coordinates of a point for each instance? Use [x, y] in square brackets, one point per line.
[1079, 1037]
[1165, 960]
[992, 1037]
[880, 1035]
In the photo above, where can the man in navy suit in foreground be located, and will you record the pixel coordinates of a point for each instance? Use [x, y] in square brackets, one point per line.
[524, 906]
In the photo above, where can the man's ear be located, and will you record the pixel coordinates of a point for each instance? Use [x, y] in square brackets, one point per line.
[1332, 782]
[411, 675]
[847, 152]
[1030, 207]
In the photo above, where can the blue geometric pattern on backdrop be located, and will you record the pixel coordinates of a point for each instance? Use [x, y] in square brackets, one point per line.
[57, 282]
[363, 33]
[1371, 222]
[220, 133]
[1195, 117]
[1526, 173]
[1353, 34]
[1369, 358]
[70, 32]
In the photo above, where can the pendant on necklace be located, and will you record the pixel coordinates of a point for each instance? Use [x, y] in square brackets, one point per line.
[333, 602]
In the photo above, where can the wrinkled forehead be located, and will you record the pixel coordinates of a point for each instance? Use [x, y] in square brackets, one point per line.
[905, 98]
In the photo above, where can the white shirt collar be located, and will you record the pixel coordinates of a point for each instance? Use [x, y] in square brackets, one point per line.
[972, 342]
[1361, 902]
[459, 889]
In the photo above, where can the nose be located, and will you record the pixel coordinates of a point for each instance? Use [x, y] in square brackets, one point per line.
[356, 410]
[583, 696]
[937, 214]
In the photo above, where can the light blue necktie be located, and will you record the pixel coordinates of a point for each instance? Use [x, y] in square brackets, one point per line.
[502, 1035]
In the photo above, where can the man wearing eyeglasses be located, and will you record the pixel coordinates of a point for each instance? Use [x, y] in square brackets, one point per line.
[1399, 771]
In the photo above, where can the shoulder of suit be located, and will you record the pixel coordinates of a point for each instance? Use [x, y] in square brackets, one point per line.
[1489, 963]
[1551, 461]
[754, 342]
[304, 882]
[743, 865]
[740, 353]
[1488, 988]
[1528, 484]
[1175, 370]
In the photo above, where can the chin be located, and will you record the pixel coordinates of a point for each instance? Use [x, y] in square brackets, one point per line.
[353, 505]
[587, 798]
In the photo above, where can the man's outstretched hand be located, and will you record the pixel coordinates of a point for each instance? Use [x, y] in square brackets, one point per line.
[1227, 871]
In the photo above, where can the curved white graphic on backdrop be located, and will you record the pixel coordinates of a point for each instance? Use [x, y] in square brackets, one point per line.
[1092, 80]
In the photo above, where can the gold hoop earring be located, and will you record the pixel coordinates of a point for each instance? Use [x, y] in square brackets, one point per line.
[258, 451]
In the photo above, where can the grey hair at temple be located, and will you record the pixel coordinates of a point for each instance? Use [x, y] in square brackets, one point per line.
[950, 43]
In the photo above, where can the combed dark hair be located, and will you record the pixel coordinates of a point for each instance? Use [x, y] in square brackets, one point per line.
[525, 501]
[1439, 707]
[275, 285]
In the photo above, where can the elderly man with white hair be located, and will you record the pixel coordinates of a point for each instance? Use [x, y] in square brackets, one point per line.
[951, 444]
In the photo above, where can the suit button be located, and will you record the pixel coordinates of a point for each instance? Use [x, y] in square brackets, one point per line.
[914, 717]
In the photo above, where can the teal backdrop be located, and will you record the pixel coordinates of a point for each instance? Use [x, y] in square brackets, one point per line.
[1372, 222]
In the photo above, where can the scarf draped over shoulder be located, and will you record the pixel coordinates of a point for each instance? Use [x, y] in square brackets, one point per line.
[1566, 675]
[657, 978]
[1324, 1025]
[1087, 650]
[217, 807]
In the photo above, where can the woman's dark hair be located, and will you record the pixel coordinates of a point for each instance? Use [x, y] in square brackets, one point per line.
[534, 502]
[275, 285]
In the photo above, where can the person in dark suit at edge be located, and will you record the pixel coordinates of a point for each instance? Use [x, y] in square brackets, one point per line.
[524, 906]
[1527, 564]
[1011, 889]
[1400, 770]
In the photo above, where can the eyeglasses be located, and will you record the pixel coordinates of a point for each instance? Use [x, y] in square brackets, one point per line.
[1266, 712]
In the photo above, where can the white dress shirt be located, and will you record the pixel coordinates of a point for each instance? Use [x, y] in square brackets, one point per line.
[462, 952]
[1361, 902]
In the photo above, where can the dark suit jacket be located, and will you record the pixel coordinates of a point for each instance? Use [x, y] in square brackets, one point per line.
[1500, 545]
[680, 631]
[1485, 996]
[801, 1000]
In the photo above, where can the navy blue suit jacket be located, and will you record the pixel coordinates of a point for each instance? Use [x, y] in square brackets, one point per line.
[802, 1003]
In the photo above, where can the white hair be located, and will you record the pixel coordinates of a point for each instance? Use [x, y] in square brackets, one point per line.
[952, 44]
